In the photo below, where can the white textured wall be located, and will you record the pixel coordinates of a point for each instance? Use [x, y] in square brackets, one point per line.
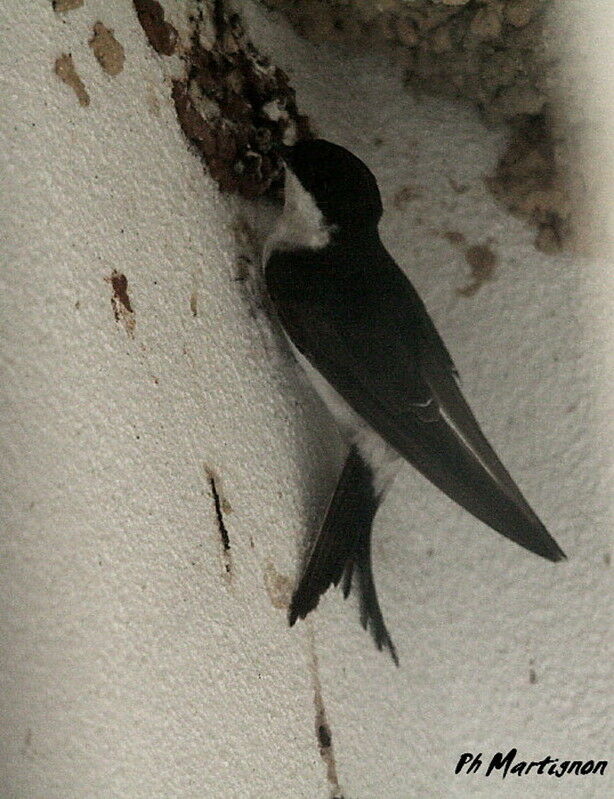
[132, 664]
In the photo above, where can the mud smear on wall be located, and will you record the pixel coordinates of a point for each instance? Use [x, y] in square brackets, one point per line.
[481, 258]
[64, 68]
[120, 301]
[249, 277]
[406, 195]
[108, 51]
[66, 5]
[482, 261]
[194, 303]
[278, 587]
[532, 673]
[222, 508]
[455, 237]
[26, 748]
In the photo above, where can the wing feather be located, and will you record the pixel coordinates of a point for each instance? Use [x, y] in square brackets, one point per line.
[369, 335]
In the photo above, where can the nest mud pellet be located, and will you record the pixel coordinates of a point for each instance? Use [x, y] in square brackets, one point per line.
[231, 102]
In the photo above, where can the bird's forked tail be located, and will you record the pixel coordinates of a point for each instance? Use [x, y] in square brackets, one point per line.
[342, 548]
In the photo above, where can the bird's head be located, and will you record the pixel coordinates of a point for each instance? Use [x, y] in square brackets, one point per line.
[341, 186]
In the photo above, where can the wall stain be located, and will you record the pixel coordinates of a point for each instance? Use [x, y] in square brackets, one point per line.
[194, 303]
[532, 672]
[323, 733]
[120, 301]
[405, 195]
[249, 277]
[278, 586]
[480, 257]
[66, 5]
[459, 188]
[108, 51]
[64, 68]
[455, 237]
[222, 508]
[482, 261]
[26, 748]
[153, 104]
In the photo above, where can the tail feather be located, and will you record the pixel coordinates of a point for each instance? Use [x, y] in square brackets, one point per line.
[343, 548]
[371, 616]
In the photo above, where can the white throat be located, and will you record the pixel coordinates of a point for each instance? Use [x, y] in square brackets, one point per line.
[301, 224]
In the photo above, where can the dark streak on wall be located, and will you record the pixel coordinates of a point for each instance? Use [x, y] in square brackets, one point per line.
[322, 728]
[221, 507]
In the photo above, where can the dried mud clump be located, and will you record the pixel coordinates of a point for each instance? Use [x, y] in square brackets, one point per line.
[527, 182]
[231, 102]
[108, 51]
[64, 68]
[162, 35]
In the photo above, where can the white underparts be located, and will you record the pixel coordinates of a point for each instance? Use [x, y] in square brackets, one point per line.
[301, 224]
[383, 460]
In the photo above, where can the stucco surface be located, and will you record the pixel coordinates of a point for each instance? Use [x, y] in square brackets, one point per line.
[133, 663]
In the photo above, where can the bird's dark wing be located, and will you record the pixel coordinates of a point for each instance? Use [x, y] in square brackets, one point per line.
[364, 328]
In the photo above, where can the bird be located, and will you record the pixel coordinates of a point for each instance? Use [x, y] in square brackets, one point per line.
[367, 344]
